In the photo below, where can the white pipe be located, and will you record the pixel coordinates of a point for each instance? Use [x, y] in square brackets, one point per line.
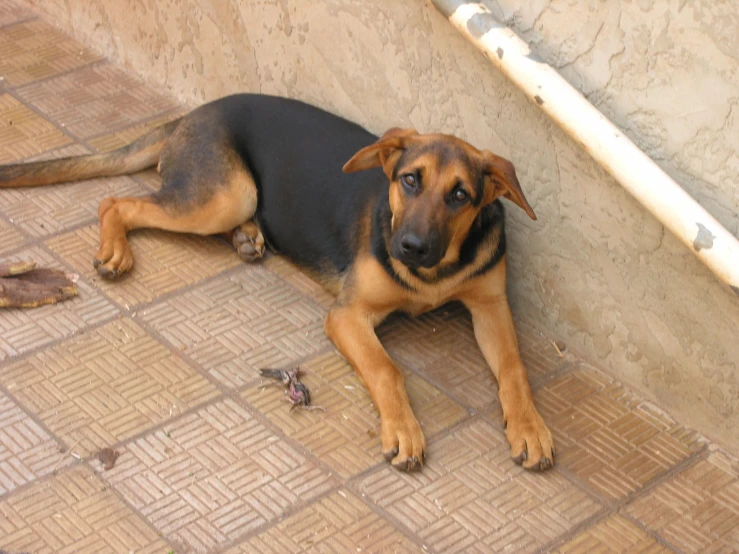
[633, 169]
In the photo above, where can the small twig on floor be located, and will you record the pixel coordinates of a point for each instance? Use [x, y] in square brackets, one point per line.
[64, 455]
[557, 347]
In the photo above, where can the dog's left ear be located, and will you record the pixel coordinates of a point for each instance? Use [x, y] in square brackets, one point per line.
[383, 153]
[501, 180]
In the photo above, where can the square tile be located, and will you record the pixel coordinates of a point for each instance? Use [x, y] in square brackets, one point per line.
[239, 323]
[94, 99]
[340, 522]
[105, 386]
[470, 497]
[613, 535]
[25, 330]
[607, 437]
[346, 435]
[27, 452]
[214, 475]
[35, 50]
[24, 133]
[698, 509]
[74, 512]
[163, 262]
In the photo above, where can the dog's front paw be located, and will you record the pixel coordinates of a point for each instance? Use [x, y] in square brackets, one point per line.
[403, 442]
[532, 445]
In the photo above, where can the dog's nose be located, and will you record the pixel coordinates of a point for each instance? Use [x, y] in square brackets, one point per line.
[413, 247]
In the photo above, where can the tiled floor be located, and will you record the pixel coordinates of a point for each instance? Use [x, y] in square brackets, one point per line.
[162, 367]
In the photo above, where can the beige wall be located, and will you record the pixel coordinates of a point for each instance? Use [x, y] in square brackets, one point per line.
[596, 269]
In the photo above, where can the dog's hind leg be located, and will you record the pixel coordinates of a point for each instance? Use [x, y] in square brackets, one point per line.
[214, 198]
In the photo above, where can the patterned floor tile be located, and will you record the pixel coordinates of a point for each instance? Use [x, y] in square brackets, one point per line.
[74, 513]
[214, 475]
[24, 330]
[35, 50]
[607, 437]
[471, 497]
[10, 237]
[27, 452]
[346, 435]
[217, 474]
[163, 262]
[338, 523]
[23, 133]
[293, 275]
[14, 10]
[697, 510]
[613, 535]
[237, 324]
[441, 344]
[44, 211]
[106, 385]
[95, 99]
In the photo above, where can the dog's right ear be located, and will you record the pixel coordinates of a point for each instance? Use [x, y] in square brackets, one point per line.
[383, 153]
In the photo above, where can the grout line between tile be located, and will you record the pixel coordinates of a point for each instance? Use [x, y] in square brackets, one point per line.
[119, 496]
[28, 353]
[28, 19]
[615, 507]
[40, 480]
[42, 80]
[656, 536]
[13, 91]
[602, 514]
[31, 242]
[38, 421]
[397, 524]
[297, 508]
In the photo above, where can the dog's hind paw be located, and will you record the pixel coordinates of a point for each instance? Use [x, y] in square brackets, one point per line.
[248, 242]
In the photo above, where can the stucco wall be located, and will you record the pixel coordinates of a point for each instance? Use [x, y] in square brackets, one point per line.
[596, 269]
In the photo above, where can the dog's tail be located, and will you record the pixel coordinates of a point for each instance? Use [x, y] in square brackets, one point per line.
[140, 154]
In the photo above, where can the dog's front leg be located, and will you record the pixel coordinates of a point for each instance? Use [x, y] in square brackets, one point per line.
[352, 331]
[530, 439]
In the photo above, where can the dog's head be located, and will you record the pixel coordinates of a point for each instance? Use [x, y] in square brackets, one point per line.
[438, 185]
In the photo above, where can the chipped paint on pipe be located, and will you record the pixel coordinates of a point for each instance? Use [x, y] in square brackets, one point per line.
[631, 167]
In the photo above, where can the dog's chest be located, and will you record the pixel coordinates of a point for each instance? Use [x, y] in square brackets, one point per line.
[418, 308]
[419, 304]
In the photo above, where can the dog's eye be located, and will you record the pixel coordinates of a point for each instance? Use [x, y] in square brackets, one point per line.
[409, 180]
[460, 195]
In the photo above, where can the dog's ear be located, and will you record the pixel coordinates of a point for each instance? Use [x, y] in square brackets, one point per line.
[501, 180]
[383, 153]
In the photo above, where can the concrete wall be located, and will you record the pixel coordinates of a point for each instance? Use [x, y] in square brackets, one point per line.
[596, 269]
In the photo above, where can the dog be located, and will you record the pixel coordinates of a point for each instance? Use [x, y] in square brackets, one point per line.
[412, 222]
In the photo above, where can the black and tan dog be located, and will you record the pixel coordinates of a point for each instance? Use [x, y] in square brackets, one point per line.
[412, 222]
